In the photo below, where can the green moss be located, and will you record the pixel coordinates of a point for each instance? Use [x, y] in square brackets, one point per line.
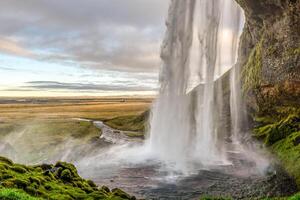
[19, 169]
[6, 161]
[278, 130]
[119, 193]
[271, 50]
[63, 166]
[281, 132]
[59, 181]
[91, 183]
[297, 51]
[20, 182]
[13, 194]
[66, 175]
[252, 70]
[288, 151]
[292, 52]
[295, 197]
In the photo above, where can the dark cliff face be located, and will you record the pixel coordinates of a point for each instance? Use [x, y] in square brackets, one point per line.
[269, 54]
[269, 61]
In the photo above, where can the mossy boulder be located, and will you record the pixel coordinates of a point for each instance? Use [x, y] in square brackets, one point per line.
[66, 175]
[119, 193]
[19, 169]
[59, 181]
[6, 161]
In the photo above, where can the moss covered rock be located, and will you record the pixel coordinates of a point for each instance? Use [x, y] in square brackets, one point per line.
[59, 181]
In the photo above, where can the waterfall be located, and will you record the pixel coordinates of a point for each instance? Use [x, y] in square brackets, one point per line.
[199, 47]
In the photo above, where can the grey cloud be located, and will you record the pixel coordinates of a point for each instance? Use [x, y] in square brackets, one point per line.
[18, 90]
[53, 85]
[7, 69]
[104, 34]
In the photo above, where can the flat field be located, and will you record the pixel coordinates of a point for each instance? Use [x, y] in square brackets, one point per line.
[62, 108]
[35, 129]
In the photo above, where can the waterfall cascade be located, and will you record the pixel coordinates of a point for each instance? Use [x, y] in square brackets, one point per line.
[200, 46]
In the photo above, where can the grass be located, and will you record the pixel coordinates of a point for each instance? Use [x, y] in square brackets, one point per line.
[97, 108]
[59, 181]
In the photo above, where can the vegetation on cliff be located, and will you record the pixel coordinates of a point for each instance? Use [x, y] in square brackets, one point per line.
[281, 132]
[59, 181]
[252, 70]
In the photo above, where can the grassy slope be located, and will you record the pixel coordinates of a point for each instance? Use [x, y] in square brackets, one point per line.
[135, 124]
[59, 181]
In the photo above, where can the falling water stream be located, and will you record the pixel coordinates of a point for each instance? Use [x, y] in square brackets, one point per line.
[200, 45]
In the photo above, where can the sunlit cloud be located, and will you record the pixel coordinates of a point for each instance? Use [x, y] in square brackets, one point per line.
[9, 46]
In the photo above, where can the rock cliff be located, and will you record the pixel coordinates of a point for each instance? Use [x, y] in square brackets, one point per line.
[269, 61]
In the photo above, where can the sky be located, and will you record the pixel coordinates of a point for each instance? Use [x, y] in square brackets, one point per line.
[80, 48]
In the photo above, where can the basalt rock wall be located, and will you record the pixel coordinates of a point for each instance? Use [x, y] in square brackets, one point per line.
[269, 61]
[269, 54]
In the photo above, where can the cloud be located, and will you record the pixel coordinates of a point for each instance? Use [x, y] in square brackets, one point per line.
[101, 34]
[55, 86]
[12, 47]
[7, 69]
